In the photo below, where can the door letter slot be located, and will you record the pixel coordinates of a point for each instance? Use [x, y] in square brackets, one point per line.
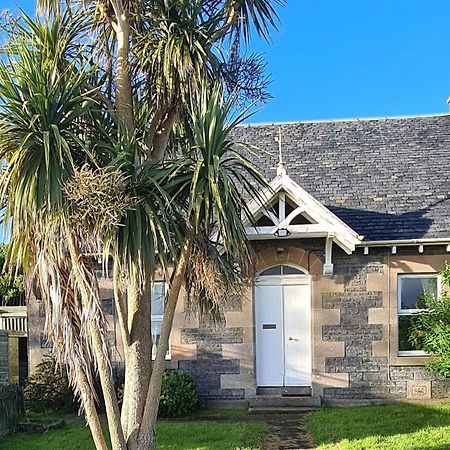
[269, 326]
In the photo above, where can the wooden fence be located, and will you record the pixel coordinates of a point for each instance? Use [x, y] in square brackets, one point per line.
[12, 407]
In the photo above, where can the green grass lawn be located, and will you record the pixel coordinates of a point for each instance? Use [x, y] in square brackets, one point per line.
[171, 435]
[399, 427]
[236, 412]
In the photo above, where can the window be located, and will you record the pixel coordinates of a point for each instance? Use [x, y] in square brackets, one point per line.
[158, 296]
[281, 270]
[411, 289]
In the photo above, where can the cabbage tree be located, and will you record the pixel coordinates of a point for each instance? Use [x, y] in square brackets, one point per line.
[115, 132]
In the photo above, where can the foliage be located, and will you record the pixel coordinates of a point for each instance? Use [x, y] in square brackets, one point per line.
[430, 329]
[12, 290]
[171, 435]
[48, 390]
[178, 394]
[386, 427]
[114, 132]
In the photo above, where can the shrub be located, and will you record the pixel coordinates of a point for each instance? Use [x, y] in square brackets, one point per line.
[431, 328]
[48, 390]
[178, 394]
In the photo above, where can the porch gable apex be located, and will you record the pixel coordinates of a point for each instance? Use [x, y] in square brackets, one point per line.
[324, 222]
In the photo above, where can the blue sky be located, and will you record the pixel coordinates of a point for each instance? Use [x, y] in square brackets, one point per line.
[354, 58]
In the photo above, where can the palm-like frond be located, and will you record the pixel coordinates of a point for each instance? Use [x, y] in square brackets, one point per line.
[223, 178]
[43, 122]
[260, 14]
[216, 182]
[46, 121]
[175, 53]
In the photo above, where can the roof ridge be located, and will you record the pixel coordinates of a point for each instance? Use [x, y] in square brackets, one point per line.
[356, 119]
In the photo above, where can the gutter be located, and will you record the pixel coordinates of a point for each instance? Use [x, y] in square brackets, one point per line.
[400, 242]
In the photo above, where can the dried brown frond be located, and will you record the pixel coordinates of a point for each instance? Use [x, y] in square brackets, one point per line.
[68, 320]
[98, 198]
[213, 280]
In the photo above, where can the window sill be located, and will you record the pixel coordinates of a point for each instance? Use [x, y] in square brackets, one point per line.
[417, 359]
[411, 353]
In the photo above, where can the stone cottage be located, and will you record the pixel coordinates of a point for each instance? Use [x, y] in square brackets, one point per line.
[355, 227]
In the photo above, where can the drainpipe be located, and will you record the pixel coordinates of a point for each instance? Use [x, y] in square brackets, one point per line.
[389, 312]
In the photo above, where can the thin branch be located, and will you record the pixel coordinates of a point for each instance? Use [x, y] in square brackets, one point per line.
[120, 306]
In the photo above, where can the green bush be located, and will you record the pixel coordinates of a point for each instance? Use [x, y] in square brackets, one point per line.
[178, 394]
[431, 328]
[48, 390]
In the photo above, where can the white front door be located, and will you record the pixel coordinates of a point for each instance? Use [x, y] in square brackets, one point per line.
[283, 331]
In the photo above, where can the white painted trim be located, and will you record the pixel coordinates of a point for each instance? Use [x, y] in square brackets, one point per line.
[282, 207]
[410, 312]
[328, 266]
[327, 224]
[303, 270]
[402, 242]
[287, 221]
[154, 318]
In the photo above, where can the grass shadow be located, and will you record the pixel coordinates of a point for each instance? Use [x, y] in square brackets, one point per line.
[394, 426]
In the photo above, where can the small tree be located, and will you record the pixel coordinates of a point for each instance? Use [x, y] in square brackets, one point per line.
[48, 390]
[430, 329]
[12, 291]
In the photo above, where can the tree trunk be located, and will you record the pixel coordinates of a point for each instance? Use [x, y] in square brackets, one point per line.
[91, 412]
[160, 132]
[124, 96]
[120, 302]
[101, 354]
[147, 437]
[138, 356]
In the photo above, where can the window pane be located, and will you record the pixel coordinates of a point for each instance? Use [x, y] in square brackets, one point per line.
[158, 296]
[412, 290]
[406, 332]
[287, 270]
[156, 332]
[271, 271]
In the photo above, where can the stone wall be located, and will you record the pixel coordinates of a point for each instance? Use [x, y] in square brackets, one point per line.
[13, 357]
[367, 328]
[223, 362]
[4, 357]
[223, 352]
[354, 328]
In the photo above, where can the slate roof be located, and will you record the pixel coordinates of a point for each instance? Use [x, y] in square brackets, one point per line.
[388, 179]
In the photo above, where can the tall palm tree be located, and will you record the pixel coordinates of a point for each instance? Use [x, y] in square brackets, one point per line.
[213, 183]
[46, 114]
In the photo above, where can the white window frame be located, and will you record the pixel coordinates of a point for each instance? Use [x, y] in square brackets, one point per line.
[159, 318]
[412, 312]
[302, 271]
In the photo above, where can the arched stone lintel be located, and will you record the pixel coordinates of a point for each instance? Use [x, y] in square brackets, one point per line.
[290, 255]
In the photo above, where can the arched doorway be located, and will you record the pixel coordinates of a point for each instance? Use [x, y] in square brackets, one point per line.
[283, 327]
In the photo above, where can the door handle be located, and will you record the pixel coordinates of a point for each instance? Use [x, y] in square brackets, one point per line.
[293, 339]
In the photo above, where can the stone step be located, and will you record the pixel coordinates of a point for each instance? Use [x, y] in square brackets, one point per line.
[295, 391]
[281, 410]
[279, 401]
